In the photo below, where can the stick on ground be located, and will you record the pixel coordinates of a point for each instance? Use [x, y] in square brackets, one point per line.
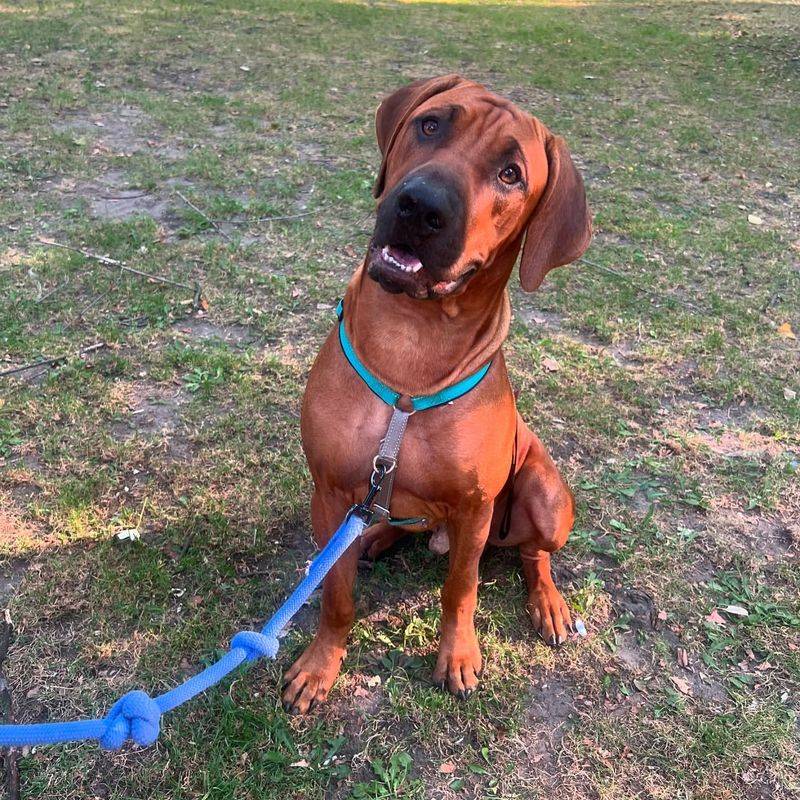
[204, 216]
[113, 262]
[9, 756]
[49, 362]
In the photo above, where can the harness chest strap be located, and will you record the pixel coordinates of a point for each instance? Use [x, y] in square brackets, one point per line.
[385, 462]
[387, 459]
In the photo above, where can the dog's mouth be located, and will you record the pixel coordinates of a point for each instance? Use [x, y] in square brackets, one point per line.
[398, 269]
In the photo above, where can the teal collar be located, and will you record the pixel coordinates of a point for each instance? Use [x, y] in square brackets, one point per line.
[389, 395]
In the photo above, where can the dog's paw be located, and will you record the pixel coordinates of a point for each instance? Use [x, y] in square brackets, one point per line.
[310, 678]
[550, 615]
[458, 666]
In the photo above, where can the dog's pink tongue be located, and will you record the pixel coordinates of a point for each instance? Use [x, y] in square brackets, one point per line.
[404, 257]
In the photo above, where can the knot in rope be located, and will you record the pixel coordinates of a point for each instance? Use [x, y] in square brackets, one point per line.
[134, 716]
[255, 644]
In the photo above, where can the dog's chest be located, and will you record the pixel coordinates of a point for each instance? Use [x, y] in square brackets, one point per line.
[448, 454]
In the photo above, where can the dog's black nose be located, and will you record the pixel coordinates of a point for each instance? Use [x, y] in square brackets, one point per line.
[425, 205]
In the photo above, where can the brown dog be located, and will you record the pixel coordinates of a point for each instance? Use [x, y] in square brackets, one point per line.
[466, 177]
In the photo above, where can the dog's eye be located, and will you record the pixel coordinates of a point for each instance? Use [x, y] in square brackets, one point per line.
[510, 174]
[430, 126]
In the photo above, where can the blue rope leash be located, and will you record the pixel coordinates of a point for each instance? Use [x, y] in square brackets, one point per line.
[137, 716]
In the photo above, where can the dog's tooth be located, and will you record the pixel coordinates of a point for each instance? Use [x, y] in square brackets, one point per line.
[417, 267]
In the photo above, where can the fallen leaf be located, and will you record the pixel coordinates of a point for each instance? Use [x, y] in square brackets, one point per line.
[682, 685]
[789, 394]
[715, 618]
[375, 680]
[738, 611]
[447, 768]
[754, 219]
[662, 615]
[301, 763]
[360, 691]
[550, 364]
[785, 330]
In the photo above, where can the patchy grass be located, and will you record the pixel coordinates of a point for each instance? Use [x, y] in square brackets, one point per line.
[674, 409]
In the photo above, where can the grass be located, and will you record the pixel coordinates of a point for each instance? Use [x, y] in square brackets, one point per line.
[674, 410]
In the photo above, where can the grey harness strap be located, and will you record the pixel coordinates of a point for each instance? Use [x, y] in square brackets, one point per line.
[387, 459]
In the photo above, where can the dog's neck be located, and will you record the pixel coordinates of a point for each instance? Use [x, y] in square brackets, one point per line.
[422, 346]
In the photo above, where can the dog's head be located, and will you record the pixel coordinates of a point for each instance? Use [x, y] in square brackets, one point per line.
[465, 175]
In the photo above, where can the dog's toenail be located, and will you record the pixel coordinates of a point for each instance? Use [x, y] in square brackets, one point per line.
[287, 707]
[553, 640]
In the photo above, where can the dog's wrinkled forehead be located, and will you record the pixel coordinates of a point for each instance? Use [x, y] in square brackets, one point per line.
[470, 128]
[475, 106]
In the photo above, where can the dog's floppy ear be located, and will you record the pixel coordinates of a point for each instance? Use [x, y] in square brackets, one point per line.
[395, 110]
[560, 227]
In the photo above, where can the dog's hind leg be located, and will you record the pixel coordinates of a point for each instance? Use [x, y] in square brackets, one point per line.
[379, 538]
[542, 515]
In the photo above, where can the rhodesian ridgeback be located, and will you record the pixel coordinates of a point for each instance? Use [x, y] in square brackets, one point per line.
[467, 181]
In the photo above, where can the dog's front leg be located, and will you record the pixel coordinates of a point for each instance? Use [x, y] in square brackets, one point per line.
[310, 678]
[459, 663]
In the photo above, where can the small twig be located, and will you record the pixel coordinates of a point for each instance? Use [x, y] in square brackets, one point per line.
[636, 285]
[114, 197]
[134, 322]
[5, 636]
[204, 216]
[290, 216]
[90, 304]
[10, 756]
[52, 292]
[113, 262]
[49, 362]
[31, 377]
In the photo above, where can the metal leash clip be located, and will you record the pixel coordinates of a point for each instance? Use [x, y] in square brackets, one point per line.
[375, 505]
